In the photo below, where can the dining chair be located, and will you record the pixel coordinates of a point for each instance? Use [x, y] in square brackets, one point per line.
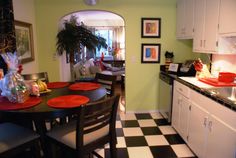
[93, 128]
[108, 81]
[15, 139]
[43, 76]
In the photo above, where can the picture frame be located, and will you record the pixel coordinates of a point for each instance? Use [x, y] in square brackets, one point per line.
[150, 53]
[24, 41]
[151, 27]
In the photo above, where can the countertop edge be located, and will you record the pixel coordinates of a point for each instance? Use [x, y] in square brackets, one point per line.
[206, 93]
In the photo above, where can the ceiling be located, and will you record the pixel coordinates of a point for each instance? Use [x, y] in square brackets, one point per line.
[97, 18]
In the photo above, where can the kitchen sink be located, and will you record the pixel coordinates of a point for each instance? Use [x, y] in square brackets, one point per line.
[224, 92]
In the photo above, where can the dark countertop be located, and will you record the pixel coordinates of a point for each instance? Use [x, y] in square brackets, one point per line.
[223, 101]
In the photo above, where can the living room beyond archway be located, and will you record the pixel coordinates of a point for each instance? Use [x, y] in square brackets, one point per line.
[109, 26]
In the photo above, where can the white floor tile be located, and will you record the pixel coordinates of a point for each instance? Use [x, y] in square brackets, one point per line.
[121, 142]
[139, 152]
[156, 115]
[127, 116]
[132, 132]
[167, 129]
[182, 150]
[118, 124]
[147, 123]
[156, 140]
[100, 152]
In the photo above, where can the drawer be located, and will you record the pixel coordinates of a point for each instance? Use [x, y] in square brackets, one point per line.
[184, 90]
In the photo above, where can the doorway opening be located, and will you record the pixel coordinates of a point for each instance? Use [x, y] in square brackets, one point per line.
[110, 26]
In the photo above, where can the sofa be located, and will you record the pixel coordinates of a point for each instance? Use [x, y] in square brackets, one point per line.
[86, 71]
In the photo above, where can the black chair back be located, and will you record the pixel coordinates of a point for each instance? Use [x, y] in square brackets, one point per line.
[108, 81]
[43, 76]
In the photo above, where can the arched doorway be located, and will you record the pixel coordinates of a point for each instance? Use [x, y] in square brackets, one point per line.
[109, 26]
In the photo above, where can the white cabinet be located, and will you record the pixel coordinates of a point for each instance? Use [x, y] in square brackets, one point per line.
[227, 22]
[206, 26]
[180, 110]
[185, 19]
[209, 136]
[221, 140]
[208, 127]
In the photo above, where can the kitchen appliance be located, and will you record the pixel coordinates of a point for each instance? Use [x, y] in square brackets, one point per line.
[166, 79]
[165, 95]
[187, 68]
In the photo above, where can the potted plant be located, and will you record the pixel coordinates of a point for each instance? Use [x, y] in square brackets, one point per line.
[73, 35]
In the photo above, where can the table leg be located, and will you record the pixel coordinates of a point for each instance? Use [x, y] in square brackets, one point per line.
[41, 129]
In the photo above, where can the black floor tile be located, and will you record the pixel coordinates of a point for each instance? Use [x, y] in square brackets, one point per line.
[143, 116]
[119, 132]
[121, 153]
[163, 152]
[135, 141]
[174, 139]
[151, 131]
[130, 123]
[161, 122]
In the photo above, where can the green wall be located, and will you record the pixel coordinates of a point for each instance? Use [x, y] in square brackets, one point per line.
[141, 79]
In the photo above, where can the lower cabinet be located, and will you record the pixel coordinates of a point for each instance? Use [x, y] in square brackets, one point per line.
[197, 130]
[200, 123]
[221, 140]
[209, 136]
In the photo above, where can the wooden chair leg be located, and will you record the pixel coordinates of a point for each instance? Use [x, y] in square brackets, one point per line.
[36, 150]
[113, 150]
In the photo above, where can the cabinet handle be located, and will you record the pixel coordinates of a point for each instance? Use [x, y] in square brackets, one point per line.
[180, 89]
[204, 43]
[210, 126]
[205, 121]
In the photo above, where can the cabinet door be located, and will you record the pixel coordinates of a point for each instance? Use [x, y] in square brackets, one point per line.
[199, 15]
[184, 117]
[197, 129]
[180, 16]
[211, 25]
[176, 109]
[189, 18]
[221, 139]
[227, 22]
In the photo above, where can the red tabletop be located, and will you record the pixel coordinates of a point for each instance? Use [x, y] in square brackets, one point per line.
[5, 104]
[67, 101]
[84, 86]
[52, 85]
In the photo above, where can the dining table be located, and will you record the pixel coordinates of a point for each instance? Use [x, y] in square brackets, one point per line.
[42, 112]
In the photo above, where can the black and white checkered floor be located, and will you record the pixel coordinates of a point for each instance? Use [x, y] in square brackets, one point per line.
[147, 136]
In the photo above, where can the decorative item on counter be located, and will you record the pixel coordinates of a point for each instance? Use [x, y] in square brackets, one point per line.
[12, 85]
[169, 59]
[1, 74]
[201, 69]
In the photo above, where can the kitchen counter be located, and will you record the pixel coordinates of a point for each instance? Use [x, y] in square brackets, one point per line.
[204, 89]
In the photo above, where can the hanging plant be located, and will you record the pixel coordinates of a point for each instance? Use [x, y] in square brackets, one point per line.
[73, 35]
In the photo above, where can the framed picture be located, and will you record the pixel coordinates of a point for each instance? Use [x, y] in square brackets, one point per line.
[150, 53]
[24, 41]
[151, 27]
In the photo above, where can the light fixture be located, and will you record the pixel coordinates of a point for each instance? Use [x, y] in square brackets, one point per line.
[91, 2]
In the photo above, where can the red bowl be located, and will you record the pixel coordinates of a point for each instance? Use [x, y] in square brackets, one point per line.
[227, 77]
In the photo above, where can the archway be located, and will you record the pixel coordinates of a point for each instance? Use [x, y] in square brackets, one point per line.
[110, 26]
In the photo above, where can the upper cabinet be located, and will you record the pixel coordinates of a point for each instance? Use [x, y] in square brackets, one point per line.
[206, 26]
[185, 19]
[227, 22]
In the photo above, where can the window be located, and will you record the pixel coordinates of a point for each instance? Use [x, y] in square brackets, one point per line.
[108, 35]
